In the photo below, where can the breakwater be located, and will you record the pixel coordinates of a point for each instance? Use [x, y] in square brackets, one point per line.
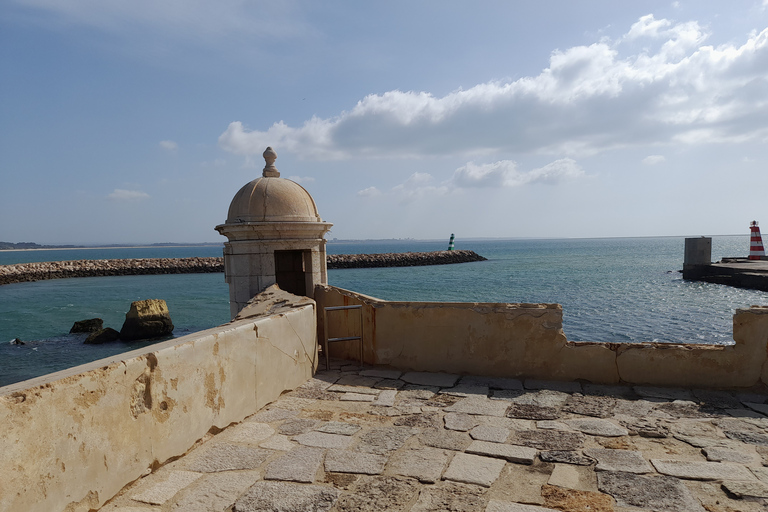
[39, 271]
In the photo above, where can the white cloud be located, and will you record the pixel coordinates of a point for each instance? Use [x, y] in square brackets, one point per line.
[369, 192]
[302, 179]
[654, 159]
[120, 194]
[589, 99]
[169, 145]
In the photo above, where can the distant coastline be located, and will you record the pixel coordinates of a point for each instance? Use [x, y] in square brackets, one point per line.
[31, 246]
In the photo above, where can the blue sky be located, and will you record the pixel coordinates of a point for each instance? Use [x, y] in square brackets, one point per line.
[138, 121]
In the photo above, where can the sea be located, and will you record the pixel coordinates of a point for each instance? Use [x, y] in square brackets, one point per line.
[613, 290]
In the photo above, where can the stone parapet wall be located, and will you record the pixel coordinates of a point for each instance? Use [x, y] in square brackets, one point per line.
[527, 341]
[73, 439]
[407, 259]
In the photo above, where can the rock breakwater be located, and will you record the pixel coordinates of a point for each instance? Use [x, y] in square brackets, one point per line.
[40, 271]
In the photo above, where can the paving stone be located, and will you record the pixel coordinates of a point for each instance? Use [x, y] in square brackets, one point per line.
[167, 489]
[597, 427]
[273, 415]
[757, 398]
[682, 409]
[566, 457]
[492, 434]
[323, 440]
[441, 380]
[508, 506]
[339, 427]
[627, 461]
[286, 497]
[299, 465]
[215, 492]
[386, 398]
[702, 442]
[417, 392]
[320, 381]
[247, 432]
[360, 390]
[549, 439]
[381, 373]
[292, 403]
[694, 470]
[552, 425]
[227, 457]
[512, 453]
[532, 412]
[346, 461]
[598, 406]
[442, 401]
[717, 398]
[576, 499]
[379, 493]
[506, 394]
[760, 473]
[315, 394]
[474, 469]
[357, 397]
[398, 410]
[763, 452]
[492, 382]
[665, 393]
[508, 423]
[384, 440]
[636, 408]
[278, 442]
[479, 406]
[747, 489]
[358, 381]
[389, 384]
[698, 428]
[445, 439]
[543, 398]
[424, 464]
[761, 408]
[745, 413]
[748, 437]
[553, 385]
[464, 390]
[424, 420]
[745, 455]
[645, 427]
[657, 493]
[564, 475]
[460, 421]
[613, 391]
[298, 426]
[450, 497]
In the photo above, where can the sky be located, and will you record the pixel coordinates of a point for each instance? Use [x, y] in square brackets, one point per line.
[138, 121]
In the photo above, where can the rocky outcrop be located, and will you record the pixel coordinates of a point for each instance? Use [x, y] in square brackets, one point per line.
[146, 319]
[102, 336]
[90, 325]
[407, 259]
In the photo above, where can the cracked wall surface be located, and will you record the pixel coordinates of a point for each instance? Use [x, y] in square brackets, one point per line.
[527, 340]
[73, 439]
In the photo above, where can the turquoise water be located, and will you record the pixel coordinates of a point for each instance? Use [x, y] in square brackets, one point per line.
[612, 290]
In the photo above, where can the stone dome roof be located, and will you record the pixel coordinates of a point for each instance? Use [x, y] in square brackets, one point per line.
[272, 199]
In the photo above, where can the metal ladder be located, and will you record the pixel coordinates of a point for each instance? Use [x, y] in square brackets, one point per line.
[327, 340]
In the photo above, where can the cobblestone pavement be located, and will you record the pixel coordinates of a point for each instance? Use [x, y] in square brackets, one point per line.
[380, 439]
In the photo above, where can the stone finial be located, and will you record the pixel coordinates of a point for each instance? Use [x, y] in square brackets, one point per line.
[270, 171]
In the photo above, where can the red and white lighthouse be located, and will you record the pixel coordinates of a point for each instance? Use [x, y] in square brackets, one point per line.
[756, 251]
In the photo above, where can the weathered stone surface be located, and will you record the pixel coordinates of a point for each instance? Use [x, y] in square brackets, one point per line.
[740, 455]
[278, 442]
[512, 453]
[646, 427]
[626, 461]
[358, 380]
[460, 421]
[660, 494]
[532, 412]
[717, 398]
[445, 439]
[549, 439]
[566, 457]
[597, 427]
[491, 382]
[292, 403]
[339, 427]
[554, 385]
[384, 493]
[551, 425]
[107, 335]
[167, 489]
[389, 384]
[506, 394]
[298, 465]
[247, 432]
[747, 489]
[346, 461]
[357, 397]
[693, 470]
[509, 506]
[90, 325]
[272, 415]
[381, 373]
[146, 319]
[702, 442]
[286, 497]
[424, 464]
[748, 437]
[474, 469]
[636, 408]
[598, 406]
[227, 457]
[682, 409]
[464, 390]
[314, 394]
[360, 390]
[488, 433]
[695, 428]
[479, 406]
[298, 426]
[625, 392]
[386, 398]
[424, 420]
[576, 499]
[665, 393]
[321, 381]
[441, 380]
[450, 497]
[417, 392]
[215, 492]
[543, 398]
[323, 440]
[384, 440]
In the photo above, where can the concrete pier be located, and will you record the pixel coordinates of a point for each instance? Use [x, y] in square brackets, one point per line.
[737, 272]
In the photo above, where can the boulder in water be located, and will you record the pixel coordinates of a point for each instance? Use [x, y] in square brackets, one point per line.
[102, 336]
[146, 319]
[17, 341]
[90, 325]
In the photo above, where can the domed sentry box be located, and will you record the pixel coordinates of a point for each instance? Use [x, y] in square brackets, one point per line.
[275, 235]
